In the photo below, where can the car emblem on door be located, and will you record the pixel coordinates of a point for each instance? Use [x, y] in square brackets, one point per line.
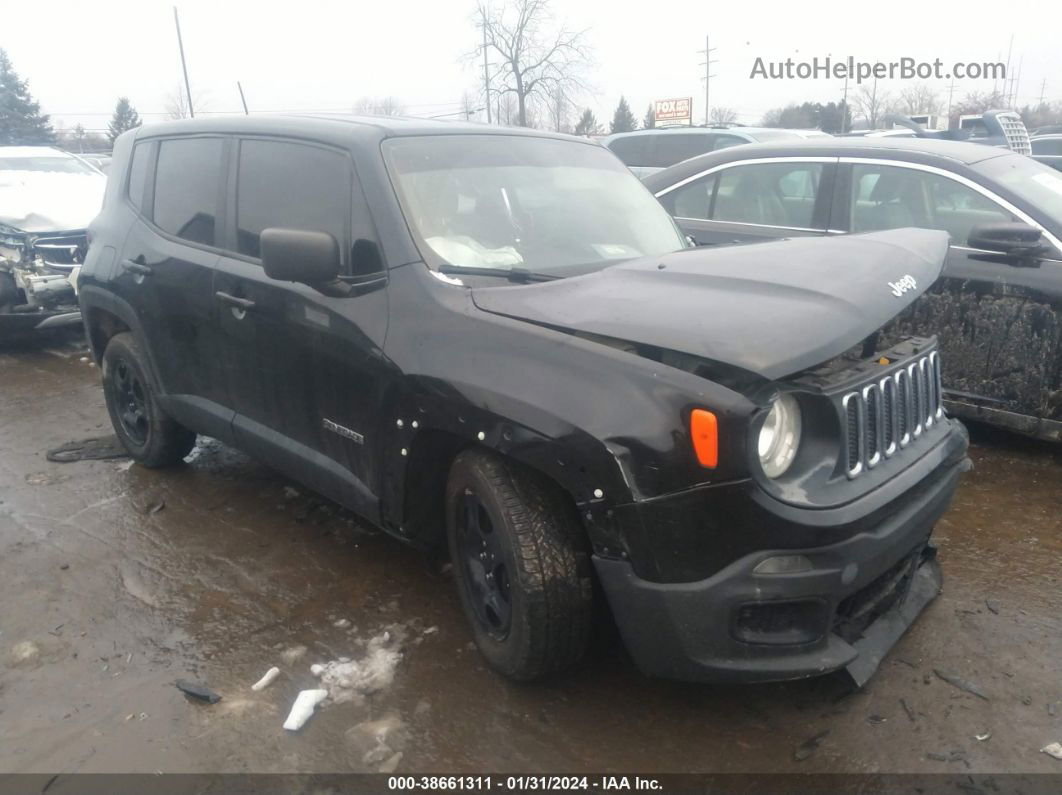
[901, 286]
[343, 431]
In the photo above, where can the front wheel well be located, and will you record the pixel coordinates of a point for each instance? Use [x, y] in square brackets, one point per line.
[430, 458]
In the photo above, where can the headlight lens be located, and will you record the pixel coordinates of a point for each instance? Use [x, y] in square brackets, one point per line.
[780, 436]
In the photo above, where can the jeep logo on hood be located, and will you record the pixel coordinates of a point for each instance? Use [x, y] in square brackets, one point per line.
[903, 285]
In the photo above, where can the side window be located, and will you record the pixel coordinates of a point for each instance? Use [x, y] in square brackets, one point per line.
[726, 141]
[1047, 146]
[693, 200]
[633, 150]
[891, 197]
[772, 194]
[297, 186]
[673, 148]
[186, 188]
[138, 174]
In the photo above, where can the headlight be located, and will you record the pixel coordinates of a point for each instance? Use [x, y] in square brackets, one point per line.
[780, 436]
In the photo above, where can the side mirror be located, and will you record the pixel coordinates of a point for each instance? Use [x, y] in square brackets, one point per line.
[1019, 243]
[299, 255]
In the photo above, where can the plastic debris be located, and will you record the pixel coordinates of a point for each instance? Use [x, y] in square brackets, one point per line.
[266, 680]
[959, 682]
[303, 708]
[1054, 749]
[342, 623]
[982, 737]
[195, 690]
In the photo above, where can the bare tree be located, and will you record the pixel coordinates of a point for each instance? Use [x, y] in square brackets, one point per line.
[505, 109]
[918, 98]
[722, 115]
[560, 108]
[176, 103]
[532, 56]
[871, 103]
[379, 106]
[469, 106]
[977, 102]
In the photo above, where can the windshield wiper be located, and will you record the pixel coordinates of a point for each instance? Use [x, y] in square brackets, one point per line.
[512, 274]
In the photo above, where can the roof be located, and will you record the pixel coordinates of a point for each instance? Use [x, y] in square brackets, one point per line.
[924, 150]
[705, 131]
[337, 125]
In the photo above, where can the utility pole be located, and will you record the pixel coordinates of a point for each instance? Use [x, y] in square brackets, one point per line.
[242, 99]
[1043, 92]
[951, 93]
[844, 106]
[708, 50]
[184, 66]
[486, 70]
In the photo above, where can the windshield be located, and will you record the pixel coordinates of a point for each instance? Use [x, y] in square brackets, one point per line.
[59, 164]
[1038, 184]
[545, 205]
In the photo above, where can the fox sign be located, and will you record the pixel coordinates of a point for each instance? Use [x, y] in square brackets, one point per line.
[673, 109]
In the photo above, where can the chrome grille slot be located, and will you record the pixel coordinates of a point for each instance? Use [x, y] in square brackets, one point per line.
[885, 416]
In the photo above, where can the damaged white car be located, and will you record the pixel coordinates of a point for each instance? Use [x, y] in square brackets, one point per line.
[47, 198]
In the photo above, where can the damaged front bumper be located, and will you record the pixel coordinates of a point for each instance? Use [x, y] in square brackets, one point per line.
[38, 280]
[809, 611]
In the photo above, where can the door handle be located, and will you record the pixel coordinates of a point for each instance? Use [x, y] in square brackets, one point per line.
[232, 300]
[138, 268]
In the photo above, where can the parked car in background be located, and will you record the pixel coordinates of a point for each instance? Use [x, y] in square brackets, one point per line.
[100, 161]
[1048, 150]
[648, 151]
[499, 341]
[47, 198]
[998, 307]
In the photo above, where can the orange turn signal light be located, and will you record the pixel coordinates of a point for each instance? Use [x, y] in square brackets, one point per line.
[704, 428]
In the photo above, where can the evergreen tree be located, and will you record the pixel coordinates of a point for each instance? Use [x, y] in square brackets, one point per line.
[21, 120]
[623, 120]
[125, 118]
[649, 122]
[587, 124]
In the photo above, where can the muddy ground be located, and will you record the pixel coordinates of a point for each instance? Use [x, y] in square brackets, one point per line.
[115, 581]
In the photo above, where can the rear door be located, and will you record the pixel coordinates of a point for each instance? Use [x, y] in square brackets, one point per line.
[303, 366]
[166, 269]
[750, 201]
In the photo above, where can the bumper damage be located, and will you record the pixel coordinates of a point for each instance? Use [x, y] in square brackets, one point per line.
[38, 277]
[789, 613]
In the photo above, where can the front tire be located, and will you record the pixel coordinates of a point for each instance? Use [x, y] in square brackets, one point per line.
[150, 436]
[522, 573]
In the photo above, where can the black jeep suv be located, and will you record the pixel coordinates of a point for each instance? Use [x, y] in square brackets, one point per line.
[499, 340]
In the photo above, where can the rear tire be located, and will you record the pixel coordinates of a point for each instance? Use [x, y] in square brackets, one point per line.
[151, 437]
[522, 572]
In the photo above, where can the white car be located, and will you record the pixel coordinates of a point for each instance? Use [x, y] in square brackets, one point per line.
[47, 199]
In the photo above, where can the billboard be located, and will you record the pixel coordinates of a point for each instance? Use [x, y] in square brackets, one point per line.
[674, 110]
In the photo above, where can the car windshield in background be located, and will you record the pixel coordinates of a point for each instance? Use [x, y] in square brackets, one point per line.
[1038, 184]
[547, 205]
[55, 165]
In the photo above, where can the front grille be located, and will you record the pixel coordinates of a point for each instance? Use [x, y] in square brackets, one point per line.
[887, 415]
[61, 251]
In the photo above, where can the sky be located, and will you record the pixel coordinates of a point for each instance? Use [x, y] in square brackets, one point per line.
[322, 56]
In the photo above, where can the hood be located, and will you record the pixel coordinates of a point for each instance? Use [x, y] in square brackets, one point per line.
[42, 201]
[769, 308]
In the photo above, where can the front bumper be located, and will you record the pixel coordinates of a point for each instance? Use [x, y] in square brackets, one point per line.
[846, 611]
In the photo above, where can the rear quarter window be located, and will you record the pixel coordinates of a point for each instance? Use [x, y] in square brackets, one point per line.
[138, 174]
